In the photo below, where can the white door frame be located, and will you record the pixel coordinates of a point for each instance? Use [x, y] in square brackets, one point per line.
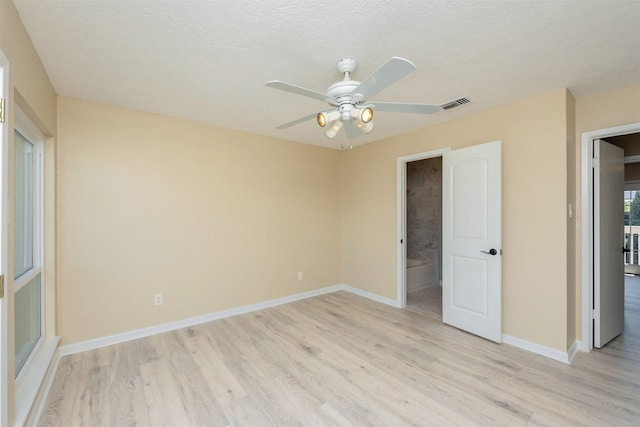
[4, 147]
[586, 231]
[402, 217]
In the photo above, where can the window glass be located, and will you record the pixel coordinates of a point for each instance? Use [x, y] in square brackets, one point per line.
[27, 234]
[28, 321]
[23, 206]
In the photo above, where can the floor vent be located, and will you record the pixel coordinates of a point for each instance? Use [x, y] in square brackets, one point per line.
[453, 104]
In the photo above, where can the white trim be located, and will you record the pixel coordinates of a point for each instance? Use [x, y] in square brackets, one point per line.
[26, 277]
[25, 394]
[552, 353]
[30, 354]
[4, 168]
[401, 192]
[23, 124]
[573, 350]
[192, 321]
[40, 400]
[371, 296]
[79, 347]
[586, 232]
[27, 385]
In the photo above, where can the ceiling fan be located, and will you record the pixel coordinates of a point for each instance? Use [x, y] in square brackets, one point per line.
[348, 98]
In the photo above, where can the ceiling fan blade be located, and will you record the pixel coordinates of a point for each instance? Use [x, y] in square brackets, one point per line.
[400, 107]
[287, 87]
[388, 73]
[297, 121]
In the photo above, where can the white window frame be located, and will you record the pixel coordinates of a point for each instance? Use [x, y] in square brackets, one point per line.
[27, 129]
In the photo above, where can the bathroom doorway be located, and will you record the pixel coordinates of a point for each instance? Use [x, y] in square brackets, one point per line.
[469, 243]
[423, 222]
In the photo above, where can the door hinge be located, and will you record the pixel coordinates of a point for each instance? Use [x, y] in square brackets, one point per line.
[1, 285]
[2, 115]
[595, 314]
[595, 163]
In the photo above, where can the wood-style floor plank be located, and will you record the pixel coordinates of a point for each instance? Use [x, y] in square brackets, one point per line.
[62, 394]
[127, 398]
[343, 360]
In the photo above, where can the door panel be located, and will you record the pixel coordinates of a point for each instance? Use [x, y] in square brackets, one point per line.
[608, 262]
[471, 276]
[469, 270]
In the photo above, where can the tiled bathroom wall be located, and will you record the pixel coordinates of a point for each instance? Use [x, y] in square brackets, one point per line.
[424, 211]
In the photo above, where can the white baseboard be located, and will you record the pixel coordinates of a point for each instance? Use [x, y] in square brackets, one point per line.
[564, 357]
[573, 350]
[192, 321]
[184, 323]
[552, 353]
[371, 296]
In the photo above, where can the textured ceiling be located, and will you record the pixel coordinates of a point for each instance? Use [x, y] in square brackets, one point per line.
[208, 61]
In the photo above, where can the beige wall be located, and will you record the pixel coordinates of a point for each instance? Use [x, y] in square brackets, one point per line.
[31, 85]
[534, 136]
[607, 109]
[30, 88]
[212, 218]
[600, 111]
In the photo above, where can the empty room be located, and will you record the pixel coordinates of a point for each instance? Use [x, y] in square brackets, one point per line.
[267, 213]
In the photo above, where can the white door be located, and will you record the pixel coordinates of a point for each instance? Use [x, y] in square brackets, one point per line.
[608, 241]
[472, 239]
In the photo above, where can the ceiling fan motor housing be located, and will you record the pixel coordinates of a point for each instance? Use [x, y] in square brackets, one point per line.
[343, 90]
[345, 111]
[346, 65]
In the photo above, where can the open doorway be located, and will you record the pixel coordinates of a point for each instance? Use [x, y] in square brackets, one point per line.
[471, 225]
[424, 236]
[628, 138]
[423, 167]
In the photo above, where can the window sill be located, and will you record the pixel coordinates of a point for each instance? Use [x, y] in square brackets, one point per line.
[29, 381]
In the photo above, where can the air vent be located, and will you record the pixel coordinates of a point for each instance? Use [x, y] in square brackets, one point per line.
[453, 104]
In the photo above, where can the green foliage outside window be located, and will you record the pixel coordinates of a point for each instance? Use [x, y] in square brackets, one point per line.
[634, 210]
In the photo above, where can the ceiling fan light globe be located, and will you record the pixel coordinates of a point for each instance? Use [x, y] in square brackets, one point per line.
[367, 128]
[326, 117]
[366, 115]
[333, 129]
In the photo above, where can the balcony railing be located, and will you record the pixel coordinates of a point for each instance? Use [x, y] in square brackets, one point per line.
[631, 233]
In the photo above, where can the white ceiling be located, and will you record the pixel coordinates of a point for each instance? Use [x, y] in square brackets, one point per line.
[208, 61]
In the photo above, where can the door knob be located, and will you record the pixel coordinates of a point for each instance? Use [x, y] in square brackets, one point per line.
[491, 252]
[625, 250]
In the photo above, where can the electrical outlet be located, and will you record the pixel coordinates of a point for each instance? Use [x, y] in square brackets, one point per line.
[300, 275]
[157, 299]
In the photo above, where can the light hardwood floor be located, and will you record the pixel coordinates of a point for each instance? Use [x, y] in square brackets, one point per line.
[426, 300]
[342, 360]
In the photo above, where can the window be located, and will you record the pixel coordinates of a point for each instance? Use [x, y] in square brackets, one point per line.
[27, 227]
